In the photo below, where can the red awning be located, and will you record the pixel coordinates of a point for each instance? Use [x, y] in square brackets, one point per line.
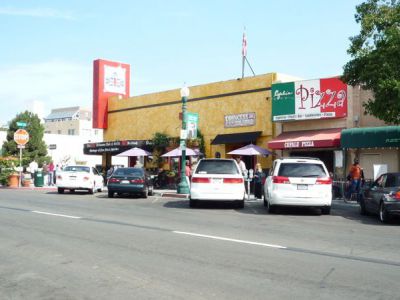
[324, 138]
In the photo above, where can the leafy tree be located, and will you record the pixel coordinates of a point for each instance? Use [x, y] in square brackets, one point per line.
[375, 63]
[36, 148]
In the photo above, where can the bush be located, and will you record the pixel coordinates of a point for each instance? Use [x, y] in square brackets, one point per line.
[7, 165]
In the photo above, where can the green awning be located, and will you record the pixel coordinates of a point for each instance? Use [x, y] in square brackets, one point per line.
[371, 137]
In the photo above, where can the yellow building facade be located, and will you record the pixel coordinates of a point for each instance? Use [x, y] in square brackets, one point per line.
[140, 117]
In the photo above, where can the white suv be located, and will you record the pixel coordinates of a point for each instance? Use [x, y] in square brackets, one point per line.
[298, 181]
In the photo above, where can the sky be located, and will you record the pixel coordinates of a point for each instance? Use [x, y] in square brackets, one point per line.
[48, 47]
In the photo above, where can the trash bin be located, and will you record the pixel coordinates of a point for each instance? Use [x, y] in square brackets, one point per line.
[38, 179]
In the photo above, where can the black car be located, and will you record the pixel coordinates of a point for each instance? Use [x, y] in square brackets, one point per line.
[382, 197]
[133, 181]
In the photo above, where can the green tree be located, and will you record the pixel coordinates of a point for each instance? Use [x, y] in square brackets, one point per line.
[375, 63]
[36, 147]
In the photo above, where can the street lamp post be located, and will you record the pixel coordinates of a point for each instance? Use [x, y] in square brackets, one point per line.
[183, 187]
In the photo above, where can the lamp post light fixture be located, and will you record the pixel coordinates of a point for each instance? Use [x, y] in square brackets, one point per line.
[183, 187]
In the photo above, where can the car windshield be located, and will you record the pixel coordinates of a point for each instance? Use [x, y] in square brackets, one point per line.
[217, 167]
[128, 172]
[77, 169]
[301, 170]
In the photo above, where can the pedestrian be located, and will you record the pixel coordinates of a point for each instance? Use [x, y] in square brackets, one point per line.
[56, 171]
[188, 172]
[355, 177]
[45, 170]
[258, 181]
[51, 173]
[33, 167]
[241, 164]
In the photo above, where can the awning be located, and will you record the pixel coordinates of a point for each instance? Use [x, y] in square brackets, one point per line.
[324, 138]
[233, 138]
[371, 137]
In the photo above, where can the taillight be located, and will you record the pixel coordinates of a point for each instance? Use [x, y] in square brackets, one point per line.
[327, 180]
[233, 180]
[280, 179]
[86, 178]
[113, 180]
[396, 196]
[200, 180]
[59, 177]
[140, 180]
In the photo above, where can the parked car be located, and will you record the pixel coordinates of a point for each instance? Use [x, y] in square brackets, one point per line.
[382, 197]
[217, 180]
[130, 181]
[298, 181]
[74, 178]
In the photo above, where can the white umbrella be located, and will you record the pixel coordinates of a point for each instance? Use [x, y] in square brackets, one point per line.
[250, 150]
[134, 152]
[178, 152]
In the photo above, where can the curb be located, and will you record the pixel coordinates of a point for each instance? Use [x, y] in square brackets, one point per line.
[172, 195]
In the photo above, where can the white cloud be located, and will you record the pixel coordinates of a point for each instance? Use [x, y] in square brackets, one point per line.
[36, 12]
[55, 83]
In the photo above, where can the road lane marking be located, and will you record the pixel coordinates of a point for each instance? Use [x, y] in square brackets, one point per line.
[57, 215]
[230, 240]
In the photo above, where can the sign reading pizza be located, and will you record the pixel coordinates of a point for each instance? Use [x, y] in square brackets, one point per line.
[109, 79]
[310, 99]
[21, 137]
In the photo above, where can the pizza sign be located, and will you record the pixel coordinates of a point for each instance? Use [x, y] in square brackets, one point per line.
[310, 99]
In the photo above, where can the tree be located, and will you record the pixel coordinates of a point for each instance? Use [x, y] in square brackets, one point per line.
[36, 148]
[375, 63]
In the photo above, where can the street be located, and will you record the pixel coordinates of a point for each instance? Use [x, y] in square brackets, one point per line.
[81, 246]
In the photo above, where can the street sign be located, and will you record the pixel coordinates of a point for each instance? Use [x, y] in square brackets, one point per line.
[52, 146]
[21, 124]
[21, 136]
[21, 146]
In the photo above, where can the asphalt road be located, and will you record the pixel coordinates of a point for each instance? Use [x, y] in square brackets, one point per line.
[79, 246]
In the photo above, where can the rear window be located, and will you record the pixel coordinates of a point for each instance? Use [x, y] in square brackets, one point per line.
[77, 169]
[301, 170]
[217, 167]
[128, 172]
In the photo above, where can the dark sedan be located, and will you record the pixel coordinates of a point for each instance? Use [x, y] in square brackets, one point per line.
[133, 181]
[382, 197]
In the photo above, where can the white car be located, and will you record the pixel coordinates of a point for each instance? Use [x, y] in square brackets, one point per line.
[79, 178]
[219, 180]
[298, 182]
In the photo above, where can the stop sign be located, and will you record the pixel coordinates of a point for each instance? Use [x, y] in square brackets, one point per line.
[21, 136]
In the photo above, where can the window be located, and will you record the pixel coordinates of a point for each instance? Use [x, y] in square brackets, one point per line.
[58, 131]
[217, 166]
[71, 131]
[301, 170]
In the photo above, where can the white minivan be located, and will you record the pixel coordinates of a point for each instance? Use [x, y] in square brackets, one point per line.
[298, 181]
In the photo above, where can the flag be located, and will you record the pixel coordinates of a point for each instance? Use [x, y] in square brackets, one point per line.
[244, 45]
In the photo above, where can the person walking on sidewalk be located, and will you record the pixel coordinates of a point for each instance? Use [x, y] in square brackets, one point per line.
[258, 181]
[355, 176]
[51, 174]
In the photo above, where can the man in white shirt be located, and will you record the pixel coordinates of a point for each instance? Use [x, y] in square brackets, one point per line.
[241, 164]
[33, 167]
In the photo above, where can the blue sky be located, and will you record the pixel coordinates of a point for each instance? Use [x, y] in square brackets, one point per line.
[48, 47]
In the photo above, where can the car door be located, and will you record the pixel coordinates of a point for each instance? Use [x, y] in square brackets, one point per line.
[268, 181]
[376, 193]
[98, 179]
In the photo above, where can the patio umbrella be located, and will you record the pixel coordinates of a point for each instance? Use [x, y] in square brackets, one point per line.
[178, 152]
[134, 152]
[250, 150]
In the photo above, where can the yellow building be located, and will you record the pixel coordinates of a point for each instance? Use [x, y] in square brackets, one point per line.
[231, 113]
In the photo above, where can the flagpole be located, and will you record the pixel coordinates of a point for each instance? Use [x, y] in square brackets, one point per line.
[243, 60]
[244, 50]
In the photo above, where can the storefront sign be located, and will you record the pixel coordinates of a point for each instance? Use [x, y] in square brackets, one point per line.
[240, 120]
[114, 80]
[310, 99]
[114, 146]
[302, 144]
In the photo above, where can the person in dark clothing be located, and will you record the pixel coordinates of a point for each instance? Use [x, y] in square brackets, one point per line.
[258, 181]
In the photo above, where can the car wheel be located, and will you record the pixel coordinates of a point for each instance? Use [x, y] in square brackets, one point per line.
[60, 191]
[145, 193]
[151, 190]
[240, 204]
[192, 203]
[326, 210]
[72, 191]
[100, 189]
[383, 214]
[363, 210]
[110, 194]
[270, 208]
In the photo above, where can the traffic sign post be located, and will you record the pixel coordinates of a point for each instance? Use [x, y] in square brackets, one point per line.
[21, 137]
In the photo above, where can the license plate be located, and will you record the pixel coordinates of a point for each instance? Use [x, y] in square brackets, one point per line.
[216, 180]
[72, 178]
[302, 187]
[125, 181]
